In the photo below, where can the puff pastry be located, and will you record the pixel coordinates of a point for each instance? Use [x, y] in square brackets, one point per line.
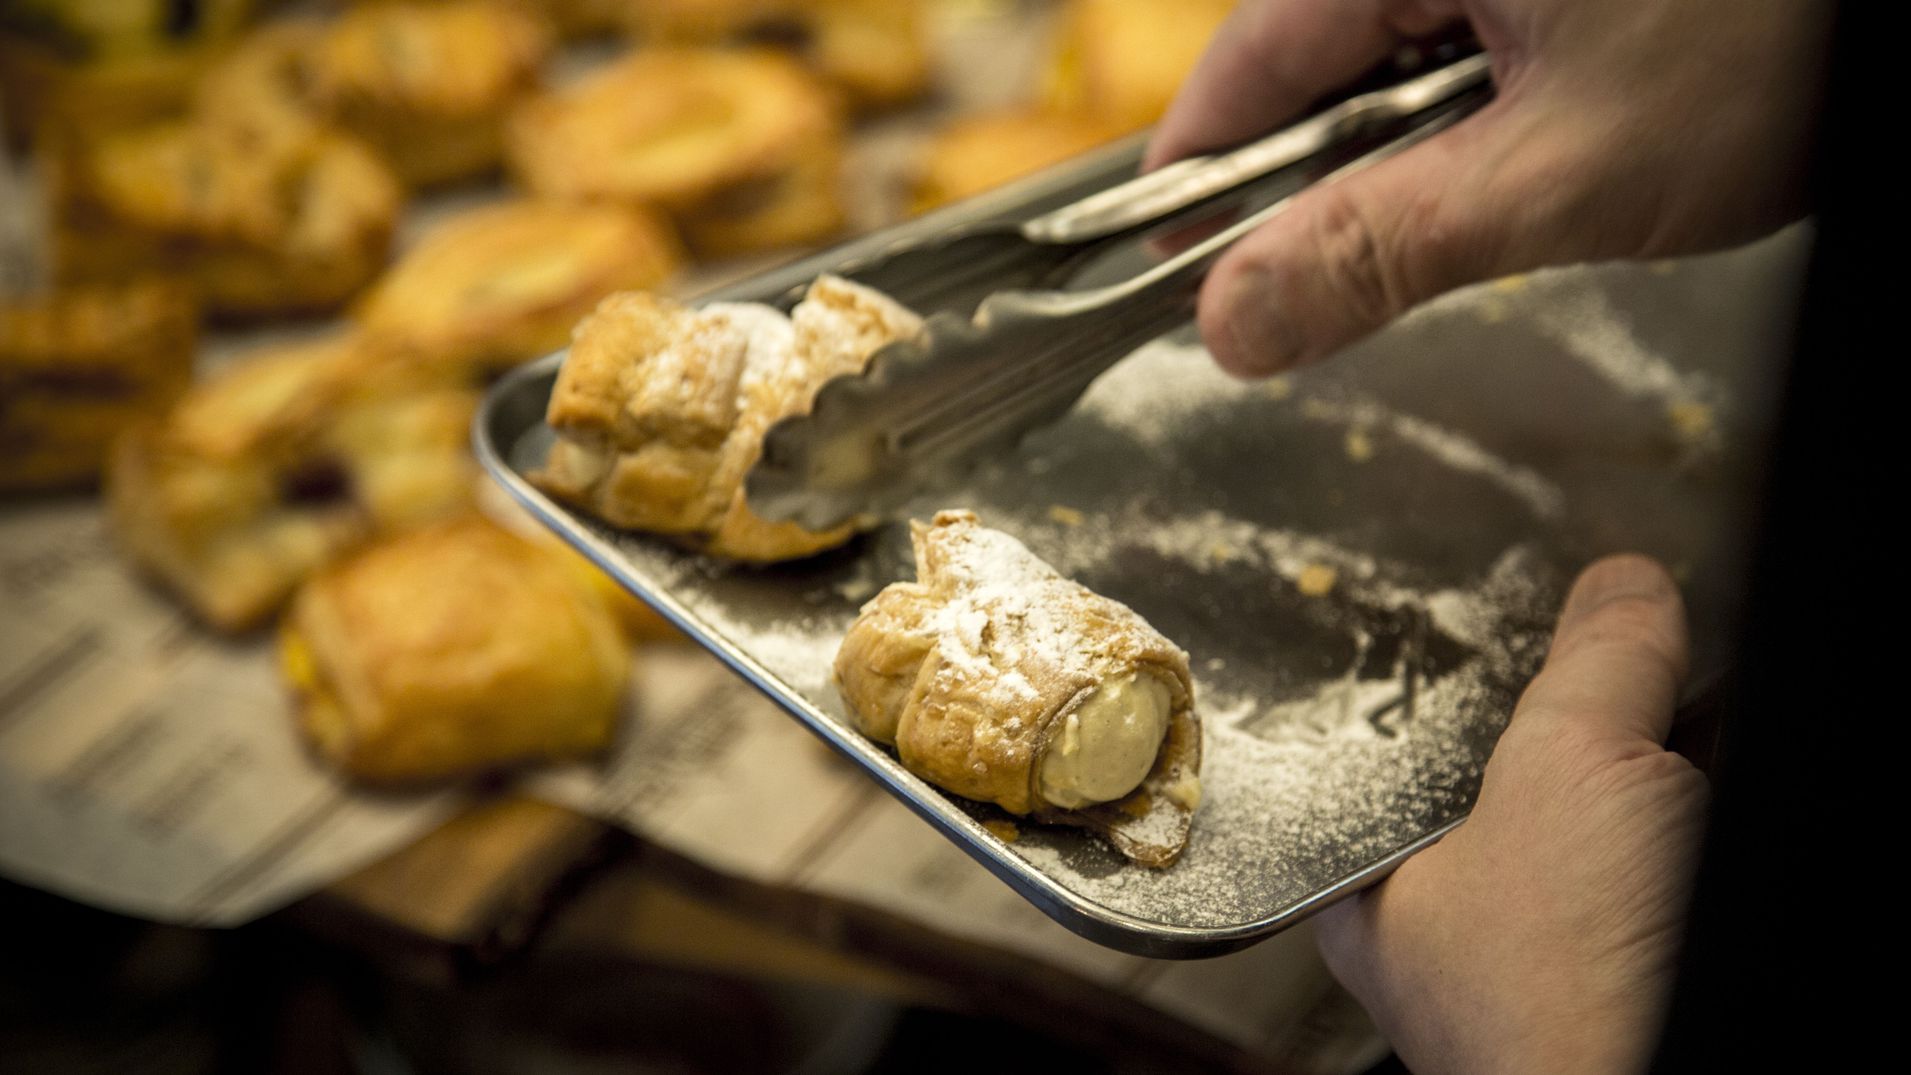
[263, 85]
[426, 84]
[1123, 61]
[691, 130]
[451, 650]
[77, 366]
[997, 679]
[797, 207]
[975, 153]
[100, 65]
[257, 225]
[262, 474]
[660, 410]
[875, 51]
[495, 286]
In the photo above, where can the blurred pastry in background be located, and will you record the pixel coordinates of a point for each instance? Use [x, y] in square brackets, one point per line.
[1123, 61]
[569, 19]
[976, 153]
[692, 131]
[495, 286]
[582, 18]
[262, 474]
[427, 84]
[263, 84]
[800, 206]
[79, 365]
[99, 65]
[875, 51]
[700, 22]
[257, 225]
[660, 409]
[450, 651]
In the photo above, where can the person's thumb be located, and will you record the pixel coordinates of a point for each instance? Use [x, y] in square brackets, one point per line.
[1618, 656]
[1495, 194]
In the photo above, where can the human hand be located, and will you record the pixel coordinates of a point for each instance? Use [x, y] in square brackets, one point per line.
[1543, 933]
[1622, 128]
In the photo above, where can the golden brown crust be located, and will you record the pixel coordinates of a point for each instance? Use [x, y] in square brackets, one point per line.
[263, 86]
[453, 650]
[427, 84]
[259, 476]
[875, 51]
[677, 128]
[93, 68]
[970, 670]
[78, 366]
[257, 225]
[798, 207]
[1123, 61]
[976, 153]
[660, 410]
[502, 284]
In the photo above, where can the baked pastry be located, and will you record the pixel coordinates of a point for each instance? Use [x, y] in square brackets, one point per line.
[263, 85]
[875, 51]
[78, 366]
[266, 472]
[427, 84]
[495, 286]
[1123, 61]
[660, 410]
[693, 131]
[800, 206]
[997, 679]
[701, 22]
[452, 650]
[976, 153]
[100, 65]
[258, 225]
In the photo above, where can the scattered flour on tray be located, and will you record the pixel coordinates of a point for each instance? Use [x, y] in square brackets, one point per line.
[1182, 380]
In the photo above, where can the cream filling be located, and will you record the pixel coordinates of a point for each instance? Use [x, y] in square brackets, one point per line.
[1106, 746]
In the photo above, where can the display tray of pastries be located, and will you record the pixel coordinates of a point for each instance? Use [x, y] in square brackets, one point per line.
[1345, 680]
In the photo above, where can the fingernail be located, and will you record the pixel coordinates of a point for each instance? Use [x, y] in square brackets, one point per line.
[1260, 340]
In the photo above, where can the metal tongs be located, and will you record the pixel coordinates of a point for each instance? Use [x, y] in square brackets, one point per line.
[1006, 347]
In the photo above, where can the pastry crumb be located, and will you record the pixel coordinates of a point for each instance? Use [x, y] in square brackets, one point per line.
[856, 590]
[1066, 515]
[1360, 446]
[1509, 284]
[1316, 580]
[1003, 829]
[1319, 410]
[1279, 387]
[1691, 421]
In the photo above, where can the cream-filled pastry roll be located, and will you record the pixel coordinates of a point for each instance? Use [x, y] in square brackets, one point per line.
[997, 679]
[660, 409]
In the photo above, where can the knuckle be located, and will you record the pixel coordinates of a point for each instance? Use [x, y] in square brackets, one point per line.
[1356, 268]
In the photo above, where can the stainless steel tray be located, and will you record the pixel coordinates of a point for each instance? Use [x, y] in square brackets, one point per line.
[1449, 476]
